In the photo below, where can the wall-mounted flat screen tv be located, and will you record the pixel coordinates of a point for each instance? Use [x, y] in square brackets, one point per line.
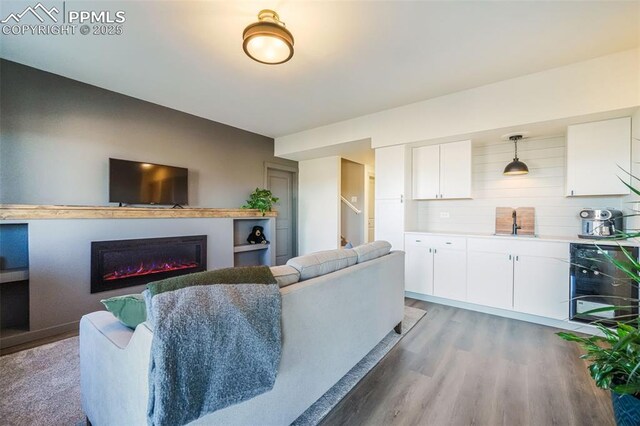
[133, 182]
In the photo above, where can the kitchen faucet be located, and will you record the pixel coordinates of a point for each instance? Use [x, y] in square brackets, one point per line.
[515, 226]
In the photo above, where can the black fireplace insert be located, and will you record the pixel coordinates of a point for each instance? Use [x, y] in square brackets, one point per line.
[127, 263]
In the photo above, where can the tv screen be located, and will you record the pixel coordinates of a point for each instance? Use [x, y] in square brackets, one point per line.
[133, 182]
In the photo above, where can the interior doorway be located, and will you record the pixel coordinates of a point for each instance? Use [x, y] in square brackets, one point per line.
[283, 182]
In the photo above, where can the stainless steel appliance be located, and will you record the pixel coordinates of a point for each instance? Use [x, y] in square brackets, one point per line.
[601, 223]
[596, 283]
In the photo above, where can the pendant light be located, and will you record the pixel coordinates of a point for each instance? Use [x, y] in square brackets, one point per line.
[268, 41]
[516, 167]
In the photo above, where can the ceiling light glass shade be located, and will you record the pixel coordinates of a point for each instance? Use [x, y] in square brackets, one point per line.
[516, 167]
[268, 41]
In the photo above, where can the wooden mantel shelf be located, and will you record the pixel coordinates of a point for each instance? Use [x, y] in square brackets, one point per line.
[25, 211]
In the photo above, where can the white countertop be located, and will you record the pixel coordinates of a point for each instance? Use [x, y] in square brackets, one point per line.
[548, 238]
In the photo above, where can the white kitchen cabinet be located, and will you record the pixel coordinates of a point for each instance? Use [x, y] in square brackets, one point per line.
[389, 201]
[418, 269]
[389, 222]
[541, 286]
[594, 152]
[450, 273]
[455, 170]
[490, 279]
[436, 266]
[531, 277]
[426, 172]
[442, 171]
[390, 172]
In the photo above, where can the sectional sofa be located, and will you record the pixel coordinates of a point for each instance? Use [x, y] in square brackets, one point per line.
[336, 306]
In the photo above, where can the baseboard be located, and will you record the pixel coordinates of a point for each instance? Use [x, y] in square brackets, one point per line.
[30, 336]
[562, 324]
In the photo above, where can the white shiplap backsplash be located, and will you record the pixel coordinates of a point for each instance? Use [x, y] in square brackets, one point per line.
[542, 188]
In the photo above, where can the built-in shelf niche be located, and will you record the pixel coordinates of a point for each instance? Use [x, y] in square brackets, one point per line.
[246, 254]
[14, 279]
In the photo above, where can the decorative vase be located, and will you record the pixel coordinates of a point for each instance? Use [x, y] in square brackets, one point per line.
[626, 408]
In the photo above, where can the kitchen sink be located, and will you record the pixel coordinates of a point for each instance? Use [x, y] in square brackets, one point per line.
[516, 235]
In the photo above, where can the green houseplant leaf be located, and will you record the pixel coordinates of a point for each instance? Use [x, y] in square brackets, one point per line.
[261, 199]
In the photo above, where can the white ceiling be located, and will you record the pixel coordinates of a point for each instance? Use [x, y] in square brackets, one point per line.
[351, 58]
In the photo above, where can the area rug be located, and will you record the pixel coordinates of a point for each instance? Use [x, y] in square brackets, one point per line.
[41, 386]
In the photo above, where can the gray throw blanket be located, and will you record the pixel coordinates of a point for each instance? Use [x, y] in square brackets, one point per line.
[213, 346]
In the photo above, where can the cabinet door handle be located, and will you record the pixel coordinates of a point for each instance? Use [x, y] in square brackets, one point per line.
[418, 241]
[509, 257]
[517, 258]
[429, 250]
[435, 251]
[401, 198]
[572, 192]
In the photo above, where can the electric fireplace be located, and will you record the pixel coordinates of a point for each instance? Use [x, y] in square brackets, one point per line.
[126, 263]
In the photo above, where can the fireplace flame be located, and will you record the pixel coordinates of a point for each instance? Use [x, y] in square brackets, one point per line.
[142, 269]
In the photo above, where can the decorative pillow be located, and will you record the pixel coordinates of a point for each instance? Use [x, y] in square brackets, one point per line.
[237, 275]
[285, 275]
[130, 309]
[372, 250]
[323, 262]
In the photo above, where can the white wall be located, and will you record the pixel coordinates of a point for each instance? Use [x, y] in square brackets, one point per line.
[607, 83]
[319, 204]
[542, 188]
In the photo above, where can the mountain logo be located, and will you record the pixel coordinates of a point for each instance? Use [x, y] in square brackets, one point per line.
[38, 11]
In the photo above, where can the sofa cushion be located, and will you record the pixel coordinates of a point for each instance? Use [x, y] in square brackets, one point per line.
[237, 275]
[323, 262]
[285, 275]
[372, 250]
[130, 309]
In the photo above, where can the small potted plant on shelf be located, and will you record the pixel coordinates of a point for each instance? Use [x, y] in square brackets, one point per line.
[614, 356]
[261, 199]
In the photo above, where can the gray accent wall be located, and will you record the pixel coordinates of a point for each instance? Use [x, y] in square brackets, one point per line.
[56, 137]
[57, 134]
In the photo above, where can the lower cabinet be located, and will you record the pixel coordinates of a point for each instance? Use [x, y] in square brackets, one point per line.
[531, 277]
[450, 274]
[436, 266]
[490, 279]
[541, 286]
[418, 276]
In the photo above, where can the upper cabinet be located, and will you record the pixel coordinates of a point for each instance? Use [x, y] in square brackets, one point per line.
[442, 171]
[426, 172]
[390, 170]
[595, 153]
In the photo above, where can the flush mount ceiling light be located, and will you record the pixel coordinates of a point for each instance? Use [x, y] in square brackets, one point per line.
[268, 41]
[516, 167]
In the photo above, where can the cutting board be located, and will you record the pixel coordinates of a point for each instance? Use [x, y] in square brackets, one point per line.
[525, 218]
[504, 220]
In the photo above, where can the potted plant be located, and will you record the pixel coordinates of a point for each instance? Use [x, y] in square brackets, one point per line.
[614, 356]
[261, 199]
[615, 365]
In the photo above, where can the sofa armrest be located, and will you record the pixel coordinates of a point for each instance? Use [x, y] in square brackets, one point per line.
[114, 365]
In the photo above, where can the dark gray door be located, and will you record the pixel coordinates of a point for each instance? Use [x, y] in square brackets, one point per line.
[282, 184]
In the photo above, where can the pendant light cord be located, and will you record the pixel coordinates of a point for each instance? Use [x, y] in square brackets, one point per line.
[515, 139]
